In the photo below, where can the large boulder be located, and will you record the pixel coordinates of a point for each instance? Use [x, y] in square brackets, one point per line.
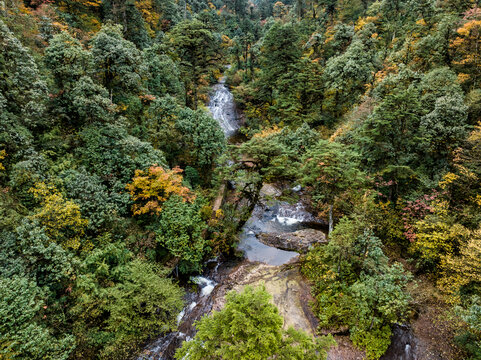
[270, 191]
[300, 240]
[289, 292]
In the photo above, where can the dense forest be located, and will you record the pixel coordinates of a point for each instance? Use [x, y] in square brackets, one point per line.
[110, 164]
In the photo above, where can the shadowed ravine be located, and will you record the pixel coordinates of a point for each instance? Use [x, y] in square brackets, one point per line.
[262, 264]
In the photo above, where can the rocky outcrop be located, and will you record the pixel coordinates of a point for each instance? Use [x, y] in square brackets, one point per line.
[289, 292]
[270, 191]
[300, 240]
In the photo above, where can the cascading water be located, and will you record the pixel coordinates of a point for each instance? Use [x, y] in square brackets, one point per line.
[198, 303]
[277, 217]
[223, 109]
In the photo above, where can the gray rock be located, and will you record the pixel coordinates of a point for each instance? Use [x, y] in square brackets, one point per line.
[297, 188]
[300, 240]
[270, 190]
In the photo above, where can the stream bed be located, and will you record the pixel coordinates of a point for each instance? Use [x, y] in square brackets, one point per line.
[262, 264]
[280, 217]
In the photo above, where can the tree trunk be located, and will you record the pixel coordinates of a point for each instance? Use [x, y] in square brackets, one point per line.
[246, 49]
[331, 220]
[253, 200]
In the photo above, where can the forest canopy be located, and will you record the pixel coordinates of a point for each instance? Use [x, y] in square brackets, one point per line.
[110, 165]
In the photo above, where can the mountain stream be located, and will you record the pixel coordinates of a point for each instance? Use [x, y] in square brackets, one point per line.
[262, 264]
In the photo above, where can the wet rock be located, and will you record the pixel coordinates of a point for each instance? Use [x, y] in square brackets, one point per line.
[300, 240]
[403, 344]
[297, 188]
[220, 198]
[231, 185]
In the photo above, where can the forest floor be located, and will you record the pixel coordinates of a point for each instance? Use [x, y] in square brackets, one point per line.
[432, 324]
[345, 350]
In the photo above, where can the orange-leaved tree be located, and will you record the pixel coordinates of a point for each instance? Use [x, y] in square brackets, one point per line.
[150, 189]
[467, 49]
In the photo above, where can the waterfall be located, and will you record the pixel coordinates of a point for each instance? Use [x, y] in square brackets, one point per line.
[223, 109]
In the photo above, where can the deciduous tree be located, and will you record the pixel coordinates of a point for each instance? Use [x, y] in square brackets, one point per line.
[154, 187]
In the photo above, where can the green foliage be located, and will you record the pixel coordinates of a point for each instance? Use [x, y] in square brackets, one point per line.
[390, 86]
[136, 29]
[356, 287]
[389, 135]
[141, 305]
[187, 137]
[470, 340]
[116, 61]
[180, 231]
[21, 85]
[113, 155]
[23, 334]
[26, 173]
[161, 117]
[348, 72]
[92, 196]
[120, 303]
[10, 264]
[67, 60]
[267, 155]
[280, 50]
[331, 169]
[23, 94]
[79, 99]
[192, 176]
[379, 301]
[202, 137]
[196, 46]
[445, 127]
[11, 212]
[164, 75]
[250, 327]
[90, 102]
[44, 260]
[375, 342]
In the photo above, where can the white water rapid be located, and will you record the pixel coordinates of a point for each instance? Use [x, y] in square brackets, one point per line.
[223, 109]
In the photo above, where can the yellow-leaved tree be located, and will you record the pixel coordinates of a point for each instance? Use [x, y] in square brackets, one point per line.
[150, 189]
[437, 235]
[3, 155]
[60, 217]
[462, 270]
